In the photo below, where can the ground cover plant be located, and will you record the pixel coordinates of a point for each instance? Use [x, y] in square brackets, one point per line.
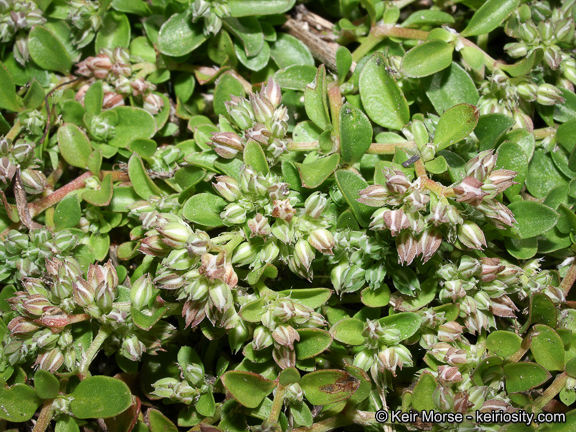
[250, 215]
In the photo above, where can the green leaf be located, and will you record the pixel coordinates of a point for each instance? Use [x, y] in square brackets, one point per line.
[159, 422]
[74, 145]
[427, 59]
[571, 367]
[249, 31]
[9, 100]
[313, 174]
[146, 322]
[289, 376]
[521, 248]
[349, 331]
[381, 97]
[204, 209]
[355, 133]
[491, 127]
[34, 96]
[114, 32]
[428, 17]
[254, 63]
[422, 393]
[144, 147]
[46, 385]
[289, 51]
[240, 8]
[312, 342]
[143, 184]
[66, 424]
[137, 7]
[350, 185]
[407, 322]
[542, 311]
[524, 376]
[179, 36]
[19, 402]
[67, 213]
[315, 100]
[47, 51]
[533, 218]
[547, 348]
[503, 343]
[295, 77]
[311, 297]
[93, 98]
[328, 386]
[455, 125]
[253, 311]
[343, 63]
[248, 388]
[437, 165]
[206, 406]
[542, 175]
[490, 15]
[102, 196]
[100, 397]
[565, 135]
[374, 298]
[451, 86]
[255, 157]
[227, 86]
[133, 123]
[512, 157]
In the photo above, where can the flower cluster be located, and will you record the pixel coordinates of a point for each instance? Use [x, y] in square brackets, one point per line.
[17, 17]
[21, 156]
[211, 13]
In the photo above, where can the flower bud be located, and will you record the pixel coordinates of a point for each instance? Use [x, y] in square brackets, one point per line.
[83, 293]
[450, 331]
[142, 293]
[132, 348]
[226, 144]
[262, 108]
[50, 361]
[272, 92]
[245, 254]
[516, 50]
[221, 296]
[304, 253]
[175, 234]
[237, 336]
[269, 252]
[315, 205]
[449, 374]
[233, 214]
[259, 226]
[286, 335]
[407, 247]
[443, 398]
[153, 103]
[228, 187]
[471, 235]
[549, 95]
[104, 298]
[528, 91]
[364, 359]
[262, 338]
[322, 240]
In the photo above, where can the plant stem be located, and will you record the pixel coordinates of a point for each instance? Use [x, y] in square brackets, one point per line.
[549, 394]
[569, 279]
[277, 406]
[523, 349]
[92, 350]
[544, 132]
[45, 417]
[335, 99]
[13, 133]
[303, 146]
[390, 149]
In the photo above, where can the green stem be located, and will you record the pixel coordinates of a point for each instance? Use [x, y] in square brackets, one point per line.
[523, 349]
[544, 132]
[550, 393]
[303, 146]
[277, 406]
[92, 350]
[44, 418]
[13, 133]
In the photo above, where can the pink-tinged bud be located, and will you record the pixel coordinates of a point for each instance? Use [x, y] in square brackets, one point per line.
[450, 331]
[284, 311]
[35, 304]
[142, 293]
[83, 293]
[193, 312]
[176, 234]
[388, 359]
[226, 144]
[228, 187]
[34, 181]
[462, 403]
[112, 100]
[443, 398]
[396, 220]
[262, 338]
[471, 235]
[490, 269]
[139, 86]
[153, 103]
[407, 247]
[555, 294]
[83, 69]
[198, 243]
[374, 196]
[449, 374]
[132, 348]
[101, 61]
[104, 298]
[259, 133]
[259, 226]
[498, 213]
[416, 201]
[469, 191]
[453, 289]
[455, 356]
[285, 335]
[262, 107]
[121, 70]
[315, 205]
[503, 307]
[304, 253]
[55, 318]
[272, 92]
[283, 210]
[428, 243]
[468, 306]
[21, 325]
[50, 361]
[480, 166]
[322, 240]
[154, 246]
[284, 356]
[397, 182]
[502, 178]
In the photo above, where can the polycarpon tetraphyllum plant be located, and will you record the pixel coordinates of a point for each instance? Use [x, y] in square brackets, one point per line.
[242, 215]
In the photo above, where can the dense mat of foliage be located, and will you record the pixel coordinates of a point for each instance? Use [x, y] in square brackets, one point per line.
[233, 215]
